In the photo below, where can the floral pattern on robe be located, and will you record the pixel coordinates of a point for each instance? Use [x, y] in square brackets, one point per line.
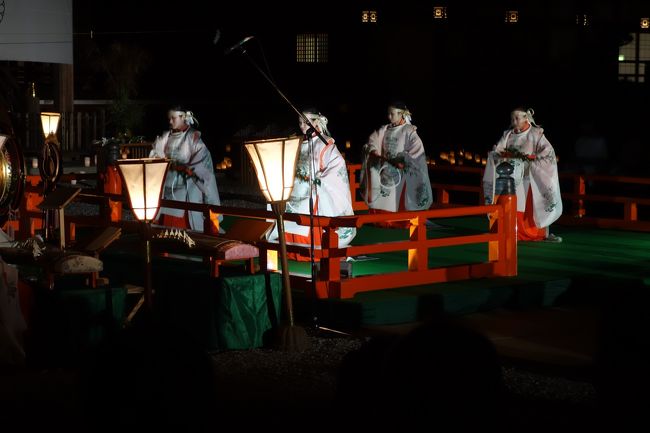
[187, 149]
[382, 184]
[538, 171]
[330, 189]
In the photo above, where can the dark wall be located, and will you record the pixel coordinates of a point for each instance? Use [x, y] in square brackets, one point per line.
[460, 76]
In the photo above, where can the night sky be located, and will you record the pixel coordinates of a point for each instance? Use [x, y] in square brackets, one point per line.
[460, 77]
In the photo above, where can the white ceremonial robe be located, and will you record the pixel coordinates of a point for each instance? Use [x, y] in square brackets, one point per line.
[540, 174]
[330, 189]
[382, 184]
[188, 149]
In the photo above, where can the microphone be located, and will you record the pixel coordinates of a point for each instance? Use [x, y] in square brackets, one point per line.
[237, 45]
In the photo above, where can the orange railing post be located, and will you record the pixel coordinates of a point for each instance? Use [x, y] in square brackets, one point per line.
[442, 196]
[353, 169]
[509, 224]
[109, 181]
[504, 251]
[29, 223]
[418, 257]
[580, 190]
[113, 185]
[331, 266]
[631, 212]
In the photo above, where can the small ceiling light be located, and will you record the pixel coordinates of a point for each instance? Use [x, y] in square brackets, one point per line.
[582, 20]
[512, 16]
[368, 16]
[440, 12]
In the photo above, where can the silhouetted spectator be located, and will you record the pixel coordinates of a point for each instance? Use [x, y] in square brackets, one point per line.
[152, 377]
[623, 376]
[440, 374]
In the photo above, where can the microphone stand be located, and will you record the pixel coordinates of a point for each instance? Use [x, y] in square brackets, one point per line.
[309, 135]
[313, 190]
[311, 130]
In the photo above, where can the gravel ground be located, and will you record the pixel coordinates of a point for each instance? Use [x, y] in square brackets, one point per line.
[269, 382]
[254, 388]
[317, 369]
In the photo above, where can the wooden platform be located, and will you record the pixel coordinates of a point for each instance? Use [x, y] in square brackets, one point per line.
[585, 268]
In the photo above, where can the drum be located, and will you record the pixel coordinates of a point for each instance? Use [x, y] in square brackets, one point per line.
[12, 175]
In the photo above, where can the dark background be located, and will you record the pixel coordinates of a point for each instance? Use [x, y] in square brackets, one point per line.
[460, 77]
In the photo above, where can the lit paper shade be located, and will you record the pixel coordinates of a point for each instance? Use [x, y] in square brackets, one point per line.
[50, 123]
[275, 165]
[144, 180]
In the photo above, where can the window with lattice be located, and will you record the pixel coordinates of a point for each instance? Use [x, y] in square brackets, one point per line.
[312, 48]
[633, 58]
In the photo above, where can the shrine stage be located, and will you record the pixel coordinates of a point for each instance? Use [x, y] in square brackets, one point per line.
[588, 267]
[591, 267]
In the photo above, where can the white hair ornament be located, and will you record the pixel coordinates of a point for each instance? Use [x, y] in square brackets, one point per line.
[528, 114]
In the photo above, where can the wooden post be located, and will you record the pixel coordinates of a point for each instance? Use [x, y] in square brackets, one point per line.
[508, 247]
[113, 185]
[30, 202]
[278, 209]
[631, 213]
[148, 285]
[64, 103]
[504, 251]
[418, 257]
[442, 196]
[331, 266]
[579, 189]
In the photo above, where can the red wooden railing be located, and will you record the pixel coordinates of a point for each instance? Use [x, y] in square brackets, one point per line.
[576, 194]
[501, 258]
[501, 254]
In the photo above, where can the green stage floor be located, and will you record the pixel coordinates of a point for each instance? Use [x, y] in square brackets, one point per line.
[584, 269]
[580, 270]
